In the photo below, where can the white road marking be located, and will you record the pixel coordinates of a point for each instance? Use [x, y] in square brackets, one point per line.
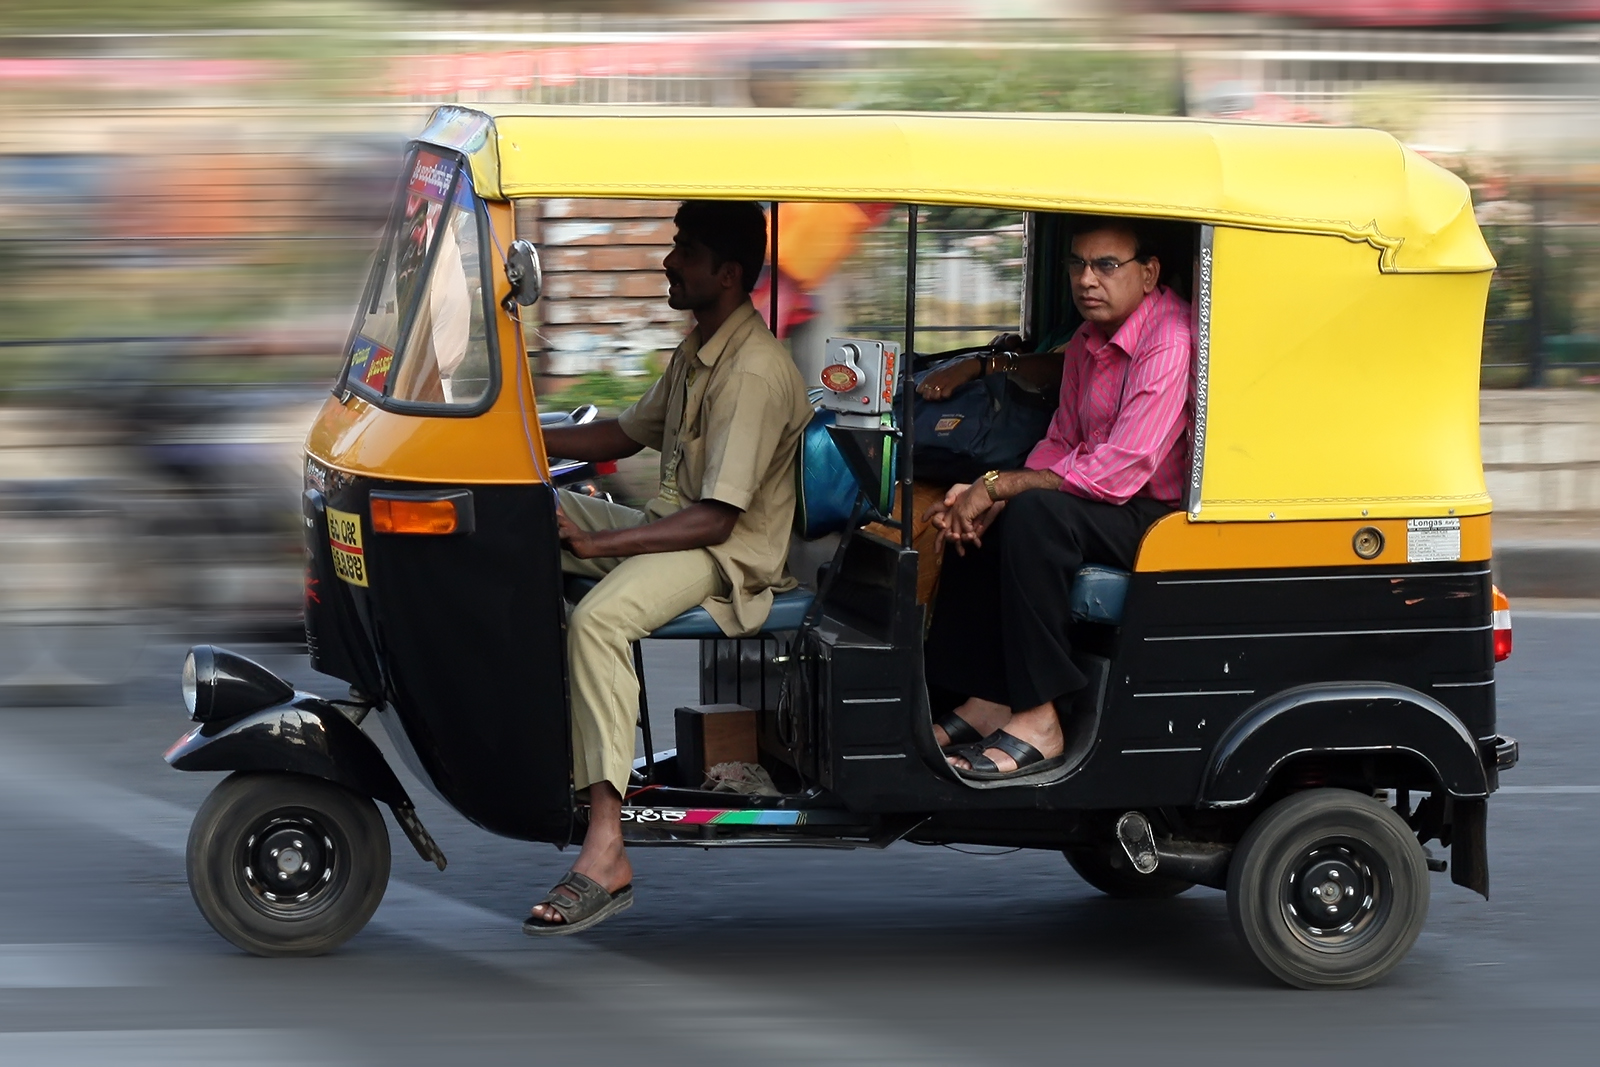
[166, 1048]
[1549, 613]
[714, 1015]
[69, 966]
[1548, 790]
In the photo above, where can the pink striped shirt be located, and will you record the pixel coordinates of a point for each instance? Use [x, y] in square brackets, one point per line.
[1119, 430]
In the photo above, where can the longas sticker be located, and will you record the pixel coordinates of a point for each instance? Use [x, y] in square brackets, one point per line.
[344, 536]
[1433, 540]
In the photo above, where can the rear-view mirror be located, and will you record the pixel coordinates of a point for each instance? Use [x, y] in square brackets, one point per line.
[524, 274]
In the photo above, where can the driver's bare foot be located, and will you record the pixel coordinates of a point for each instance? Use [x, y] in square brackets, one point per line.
[1039, 727]
[610, 868]
[984, 716]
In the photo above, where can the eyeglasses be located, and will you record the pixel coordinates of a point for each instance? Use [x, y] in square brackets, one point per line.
[1104, 267]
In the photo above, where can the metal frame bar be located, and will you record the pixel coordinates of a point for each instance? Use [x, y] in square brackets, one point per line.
[772, 275]
[908, 351]
[1202, 368]
[644, 716]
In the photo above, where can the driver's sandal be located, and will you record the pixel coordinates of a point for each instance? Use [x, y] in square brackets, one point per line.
[958, 730]
[1029, 759]
[586, 904]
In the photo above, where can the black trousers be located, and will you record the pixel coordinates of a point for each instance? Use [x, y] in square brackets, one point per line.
[1001, 615]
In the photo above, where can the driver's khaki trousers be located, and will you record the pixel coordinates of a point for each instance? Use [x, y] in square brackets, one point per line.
[635, 595]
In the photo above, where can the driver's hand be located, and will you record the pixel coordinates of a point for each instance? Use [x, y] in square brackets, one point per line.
[950, 377]
[1006, 342]
[574, 537]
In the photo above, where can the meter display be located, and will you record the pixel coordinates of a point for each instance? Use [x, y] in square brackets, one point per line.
[859, 378]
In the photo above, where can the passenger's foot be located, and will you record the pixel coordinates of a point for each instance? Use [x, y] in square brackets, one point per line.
[980, 717]
[1039, 732]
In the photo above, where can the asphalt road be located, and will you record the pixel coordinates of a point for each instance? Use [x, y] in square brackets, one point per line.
[910, 956]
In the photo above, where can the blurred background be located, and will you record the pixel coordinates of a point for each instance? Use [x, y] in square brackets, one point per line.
[189, 191]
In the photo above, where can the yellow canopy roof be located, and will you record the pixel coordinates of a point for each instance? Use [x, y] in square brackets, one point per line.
[1362, 185]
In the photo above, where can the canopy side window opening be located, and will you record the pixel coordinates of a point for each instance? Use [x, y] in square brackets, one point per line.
[1051, 317]
[422, 342]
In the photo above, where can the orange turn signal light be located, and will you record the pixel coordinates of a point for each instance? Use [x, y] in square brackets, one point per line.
[413, 516]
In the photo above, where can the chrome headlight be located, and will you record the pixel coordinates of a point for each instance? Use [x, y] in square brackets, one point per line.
[189, 687]
[218, 684]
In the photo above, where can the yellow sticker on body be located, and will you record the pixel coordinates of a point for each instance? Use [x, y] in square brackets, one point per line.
[344, 535]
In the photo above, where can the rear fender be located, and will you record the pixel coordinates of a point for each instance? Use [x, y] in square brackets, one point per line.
[307, 735]
[1342, 718]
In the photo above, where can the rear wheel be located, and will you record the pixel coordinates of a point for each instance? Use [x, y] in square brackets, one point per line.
[1100, 867]
[285, 864]
[1329, 888]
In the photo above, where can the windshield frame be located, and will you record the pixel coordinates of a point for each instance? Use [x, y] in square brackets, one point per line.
[346, 386]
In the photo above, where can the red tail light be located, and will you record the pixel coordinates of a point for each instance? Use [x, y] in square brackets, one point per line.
[1502, 625]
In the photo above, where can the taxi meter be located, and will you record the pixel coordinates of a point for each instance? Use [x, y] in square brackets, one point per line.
[859, 379]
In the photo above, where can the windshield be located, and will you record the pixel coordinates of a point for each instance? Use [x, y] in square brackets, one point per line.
[422, 334]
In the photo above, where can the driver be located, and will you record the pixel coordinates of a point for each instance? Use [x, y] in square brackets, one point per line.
[727, 417]
[1111, 464]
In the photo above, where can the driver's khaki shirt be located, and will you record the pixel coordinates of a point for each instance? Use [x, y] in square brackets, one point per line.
[727, 417]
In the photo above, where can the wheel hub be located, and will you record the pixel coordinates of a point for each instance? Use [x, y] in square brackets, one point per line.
[1331, 891]
[288, 862]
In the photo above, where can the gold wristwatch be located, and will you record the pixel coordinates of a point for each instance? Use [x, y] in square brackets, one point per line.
[990, 480]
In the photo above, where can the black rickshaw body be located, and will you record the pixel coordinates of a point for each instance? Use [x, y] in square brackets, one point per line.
[1272, 639]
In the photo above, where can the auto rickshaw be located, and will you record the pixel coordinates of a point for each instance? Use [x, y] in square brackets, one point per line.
[1292, 693]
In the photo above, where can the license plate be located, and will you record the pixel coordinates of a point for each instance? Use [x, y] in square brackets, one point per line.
[344, 535]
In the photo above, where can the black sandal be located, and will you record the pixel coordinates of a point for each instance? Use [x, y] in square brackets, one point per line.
[958, 730]
[588, 903]
[1029, 759]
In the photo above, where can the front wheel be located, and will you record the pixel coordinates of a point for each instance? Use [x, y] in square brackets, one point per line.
[285, 864]
[1329, 889]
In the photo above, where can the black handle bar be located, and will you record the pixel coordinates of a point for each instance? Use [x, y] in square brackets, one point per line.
[923, 360]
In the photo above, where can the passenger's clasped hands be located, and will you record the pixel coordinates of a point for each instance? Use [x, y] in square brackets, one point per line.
[962, 516]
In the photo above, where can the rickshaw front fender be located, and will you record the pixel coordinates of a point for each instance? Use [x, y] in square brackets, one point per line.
[1342, 718]
[307, 735]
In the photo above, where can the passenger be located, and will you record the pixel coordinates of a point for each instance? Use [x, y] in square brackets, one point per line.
[727, 416]
[1112, 463]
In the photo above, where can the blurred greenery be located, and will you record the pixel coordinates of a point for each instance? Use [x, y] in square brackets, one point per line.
[1063, 79]
[610, 393]
[112, 16]
[1560, 258]
[1398, 109]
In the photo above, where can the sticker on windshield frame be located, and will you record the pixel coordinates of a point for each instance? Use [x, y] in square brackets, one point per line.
[344, 537]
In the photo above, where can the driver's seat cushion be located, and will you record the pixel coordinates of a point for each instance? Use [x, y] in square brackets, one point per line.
[1098, 594]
